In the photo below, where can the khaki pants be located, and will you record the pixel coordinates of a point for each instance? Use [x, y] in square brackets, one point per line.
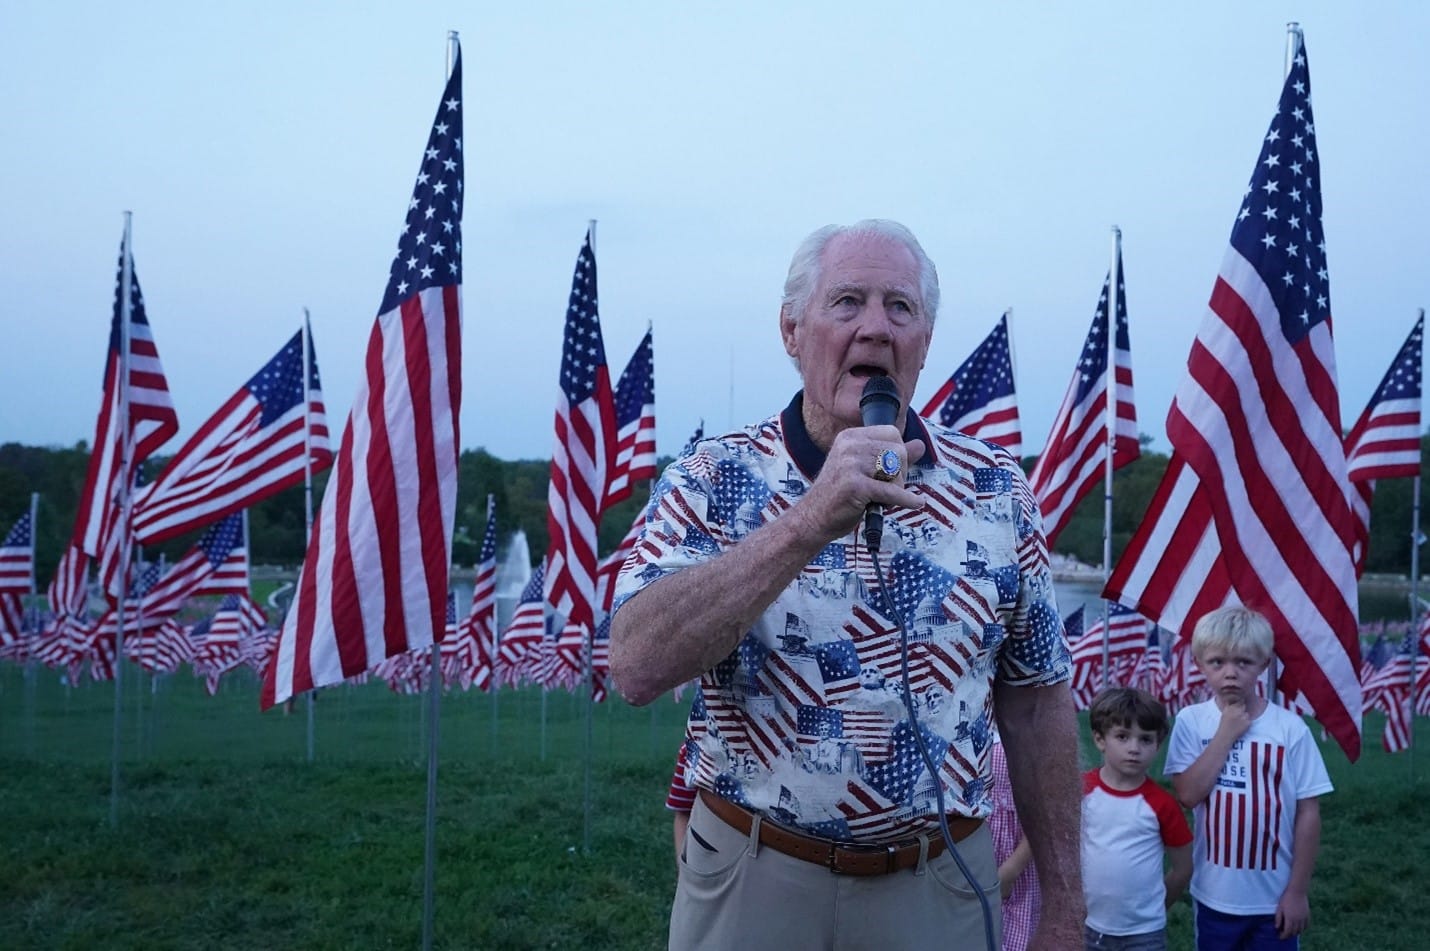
[734, 893]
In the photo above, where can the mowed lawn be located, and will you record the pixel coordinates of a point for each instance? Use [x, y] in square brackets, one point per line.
[228, 837]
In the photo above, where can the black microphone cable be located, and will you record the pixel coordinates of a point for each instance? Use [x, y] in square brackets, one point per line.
[927, 757]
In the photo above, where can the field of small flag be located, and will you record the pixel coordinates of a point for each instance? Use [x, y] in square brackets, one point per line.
[227, 836]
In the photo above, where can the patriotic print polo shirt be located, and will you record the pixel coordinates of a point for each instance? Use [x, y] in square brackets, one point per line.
[804, 721]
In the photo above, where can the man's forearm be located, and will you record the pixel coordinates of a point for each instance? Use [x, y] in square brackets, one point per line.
[1039, 730]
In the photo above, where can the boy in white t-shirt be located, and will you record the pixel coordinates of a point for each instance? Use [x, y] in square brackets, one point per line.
[1128, 824]
[1252, 774]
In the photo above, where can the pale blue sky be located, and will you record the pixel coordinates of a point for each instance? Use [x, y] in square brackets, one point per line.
[267, 152]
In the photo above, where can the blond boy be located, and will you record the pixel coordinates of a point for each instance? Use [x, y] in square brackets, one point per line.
[1251, 773]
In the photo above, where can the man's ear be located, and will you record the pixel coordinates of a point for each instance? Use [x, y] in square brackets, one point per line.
[787, 327]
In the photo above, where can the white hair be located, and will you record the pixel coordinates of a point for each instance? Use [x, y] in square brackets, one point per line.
[804, 267]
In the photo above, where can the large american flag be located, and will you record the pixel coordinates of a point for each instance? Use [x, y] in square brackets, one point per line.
[635, 424]
[1075, 457]
[1253, 507]
[580, 464]
[17, 558]
[1384, 443]
[134, 386]
[374, 582]
[979, 398]
[252, 447]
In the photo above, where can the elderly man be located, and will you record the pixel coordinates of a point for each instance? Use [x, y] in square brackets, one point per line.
[753, 575]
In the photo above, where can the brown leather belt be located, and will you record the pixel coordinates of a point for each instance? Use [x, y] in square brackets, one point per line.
[839, 857]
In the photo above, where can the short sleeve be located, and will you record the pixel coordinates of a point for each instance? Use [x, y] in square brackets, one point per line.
[1036, 654]
[1309, 767]
[1173, 822]
[1182, 748]
[676, 534]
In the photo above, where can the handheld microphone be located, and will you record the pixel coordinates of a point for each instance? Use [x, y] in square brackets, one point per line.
[878, 406]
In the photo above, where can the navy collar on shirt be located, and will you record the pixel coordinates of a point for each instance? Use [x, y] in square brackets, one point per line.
[810, 458]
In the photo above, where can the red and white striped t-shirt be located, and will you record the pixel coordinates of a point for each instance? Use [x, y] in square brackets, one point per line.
[1241, 857]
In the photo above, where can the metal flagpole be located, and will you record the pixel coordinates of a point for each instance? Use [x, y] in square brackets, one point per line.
[1114, 277]
[307, 494]
[496, 635]
[1416, 612]
[434, 701]
[30, 672]
[588, 677]
[126, 284]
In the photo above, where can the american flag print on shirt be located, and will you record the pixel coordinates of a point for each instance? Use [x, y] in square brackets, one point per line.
[374, 581]
[1246, 811]
[804, 719]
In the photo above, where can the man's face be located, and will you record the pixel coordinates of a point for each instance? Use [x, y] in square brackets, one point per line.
[1231, 674]
[865, 317]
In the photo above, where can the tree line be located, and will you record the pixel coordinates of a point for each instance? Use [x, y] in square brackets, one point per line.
[276, 525]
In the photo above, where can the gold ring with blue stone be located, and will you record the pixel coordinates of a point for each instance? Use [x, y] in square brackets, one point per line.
[886, 465]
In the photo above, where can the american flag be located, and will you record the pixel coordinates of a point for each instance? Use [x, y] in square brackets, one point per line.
[374, 582]
[610, 566]
[134, 385]
[252, 447]
[17, 558]
[192, 572]
[580, 462]
[217, 641]
[1126, 635]
[475, 645]
[1075, 457]
[635, 424]
[1384, 443]
[159, 649]
[521, 641]
[68, 591]
[1253, 507]
[979, 398]
[231, 575]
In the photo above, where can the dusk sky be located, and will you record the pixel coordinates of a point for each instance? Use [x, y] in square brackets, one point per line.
[267, 152]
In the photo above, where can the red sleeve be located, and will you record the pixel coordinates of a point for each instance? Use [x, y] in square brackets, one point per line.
[1175, 832]
[1089, 781]
[680, 797]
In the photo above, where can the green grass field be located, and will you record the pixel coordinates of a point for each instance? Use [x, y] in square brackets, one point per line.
[228, 837]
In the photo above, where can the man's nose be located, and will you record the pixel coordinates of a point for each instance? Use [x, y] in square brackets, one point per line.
[876, 322]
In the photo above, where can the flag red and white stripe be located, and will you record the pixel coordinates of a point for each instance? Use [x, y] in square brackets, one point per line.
[374, 581]
[979, 398]
[1384, 443]
[253, 446]
[136, 408]
[580, 465]
[635, 424]
[1074, 460]
[1254, 506]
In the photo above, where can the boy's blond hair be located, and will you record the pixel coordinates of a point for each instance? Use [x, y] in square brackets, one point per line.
[1233, 628]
